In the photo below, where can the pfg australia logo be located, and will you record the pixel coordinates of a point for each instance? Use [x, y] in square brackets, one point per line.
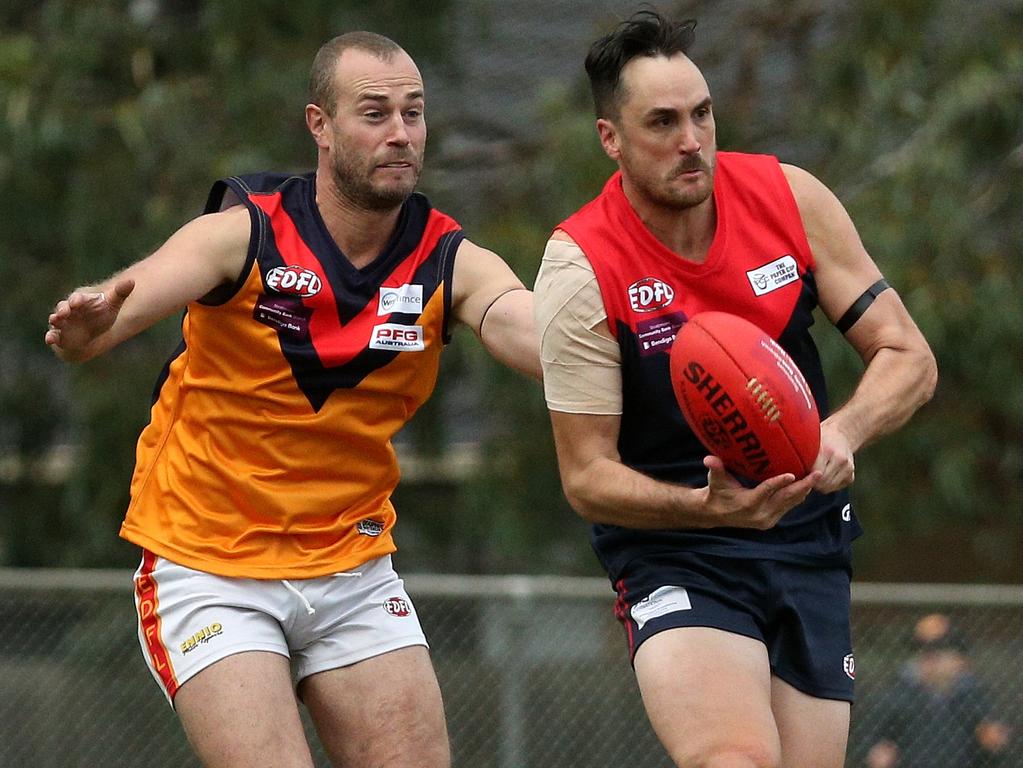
[400, 338]
[397, 606]
[650, 294]
[849, 665]
[294, 280]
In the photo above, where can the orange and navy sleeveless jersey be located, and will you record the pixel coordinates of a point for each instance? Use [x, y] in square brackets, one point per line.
[760, 267]
[268, 453]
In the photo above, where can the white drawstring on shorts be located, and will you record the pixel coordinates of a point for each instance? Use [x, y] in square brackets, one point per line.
[291, 588]
[305, 600]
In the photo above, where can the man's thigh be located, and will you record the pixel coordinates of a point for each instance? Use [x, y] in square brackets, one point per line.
[707, 693]
[814, 732]
[383, 712]
[241, 712]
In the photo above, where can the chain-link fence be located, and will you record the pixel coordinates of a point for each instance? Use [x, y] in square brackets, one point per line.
[534, 673]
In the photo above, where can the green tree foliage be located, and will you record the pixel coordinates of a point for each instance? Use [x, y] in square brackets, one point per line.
[922, 136]
[913, 113]
[119, 115]
[116, 115]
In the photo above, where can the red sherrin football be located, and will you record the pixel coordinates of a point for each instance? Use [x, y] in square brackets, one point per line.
[744, 397]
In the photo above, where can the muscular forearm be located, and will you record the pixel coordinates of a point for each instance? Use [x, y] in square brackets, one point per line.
[602, 489]
[609, 492]
[893, 387]
[205, 253]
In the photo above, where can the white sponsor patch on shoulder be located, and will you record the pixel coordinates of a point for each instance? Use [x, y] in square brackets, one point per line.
[403, 298]
[661, 601]
[772, 276]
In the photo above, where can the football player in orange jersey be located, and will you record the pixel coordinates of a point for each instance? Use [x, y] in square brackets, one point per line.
[316, 309]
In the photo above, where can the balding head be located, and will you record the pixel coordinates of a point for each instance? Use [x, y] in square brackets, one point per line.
[322, 81]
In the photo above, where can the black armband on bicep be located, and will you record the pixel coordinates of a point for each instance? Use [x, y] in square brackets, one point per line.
[855, 312]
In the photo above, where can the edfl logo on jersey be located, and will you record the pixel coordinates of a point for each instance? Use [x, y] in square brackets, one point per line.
[650, 294]
[294, 280]
[397, 606]
[849, 665]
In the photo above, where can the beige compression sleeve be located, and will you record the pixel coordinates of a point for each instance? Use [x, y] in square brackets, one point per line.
[581, 361]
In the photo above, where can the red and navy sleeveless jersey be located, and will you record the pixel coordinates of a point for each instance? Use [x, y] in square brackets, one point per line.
[268, 453]
[760, 267]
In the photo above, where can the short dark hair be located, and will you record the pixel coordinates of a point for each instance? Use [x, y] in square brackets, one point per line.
[645, 33]
[321, 76]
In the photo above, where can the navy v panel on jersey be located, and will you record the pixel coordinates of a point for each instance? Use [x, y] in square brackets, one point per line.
[326, 311]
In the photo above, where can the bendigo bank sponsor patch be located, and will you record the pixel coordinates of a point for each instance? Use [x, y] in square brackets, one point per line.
[657, 334]
[287, 315]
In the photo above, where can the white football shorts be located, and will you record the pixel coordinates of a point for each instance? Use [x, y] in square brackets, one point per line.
[190, 619]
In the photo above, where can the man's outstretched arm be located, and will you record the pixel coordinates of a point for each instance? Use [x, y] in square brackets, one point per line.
[205, 253]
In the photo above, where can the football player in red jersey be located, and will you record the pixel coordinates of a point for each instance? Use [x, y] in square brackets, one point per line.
[317, 306]
[734, 596]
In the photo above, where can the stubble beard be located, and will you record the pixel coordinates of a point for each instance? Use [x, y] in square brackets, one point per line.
[664, 194]
[352, 177]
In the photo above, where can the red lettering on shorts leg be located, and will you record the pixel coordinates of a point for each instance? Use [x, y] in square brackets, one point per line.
[149, 620]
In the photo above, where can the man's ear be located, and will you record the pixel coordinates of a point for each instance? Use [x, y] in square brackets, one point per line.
[608, 133]
[316, 121]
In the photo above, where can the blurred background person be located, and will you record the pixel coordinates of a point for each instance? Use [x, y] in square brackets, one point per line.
[936, 714]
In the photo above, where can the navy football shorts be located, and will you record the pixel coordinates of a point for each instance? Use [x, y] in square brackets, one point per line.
[800, 612]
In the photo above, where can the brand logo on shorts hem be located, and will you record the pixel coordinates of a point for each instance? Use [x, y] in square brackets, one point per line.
[294, 280]
[397, 606]
[399, 338]
[650, 294]
[404, 298]
[201, 637]
[661, 601]
[849, 665]
[847, 513]
[370, 527]
[772, 276]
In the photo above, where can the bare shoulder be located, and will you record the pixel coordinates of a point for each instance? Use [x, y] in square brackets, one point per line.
[811, 193]
[232, 224]
[562, 236]
[223, 237]
[470, 251]
[208, 250]
[480, 275]
[826, 221]
[475, 266]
